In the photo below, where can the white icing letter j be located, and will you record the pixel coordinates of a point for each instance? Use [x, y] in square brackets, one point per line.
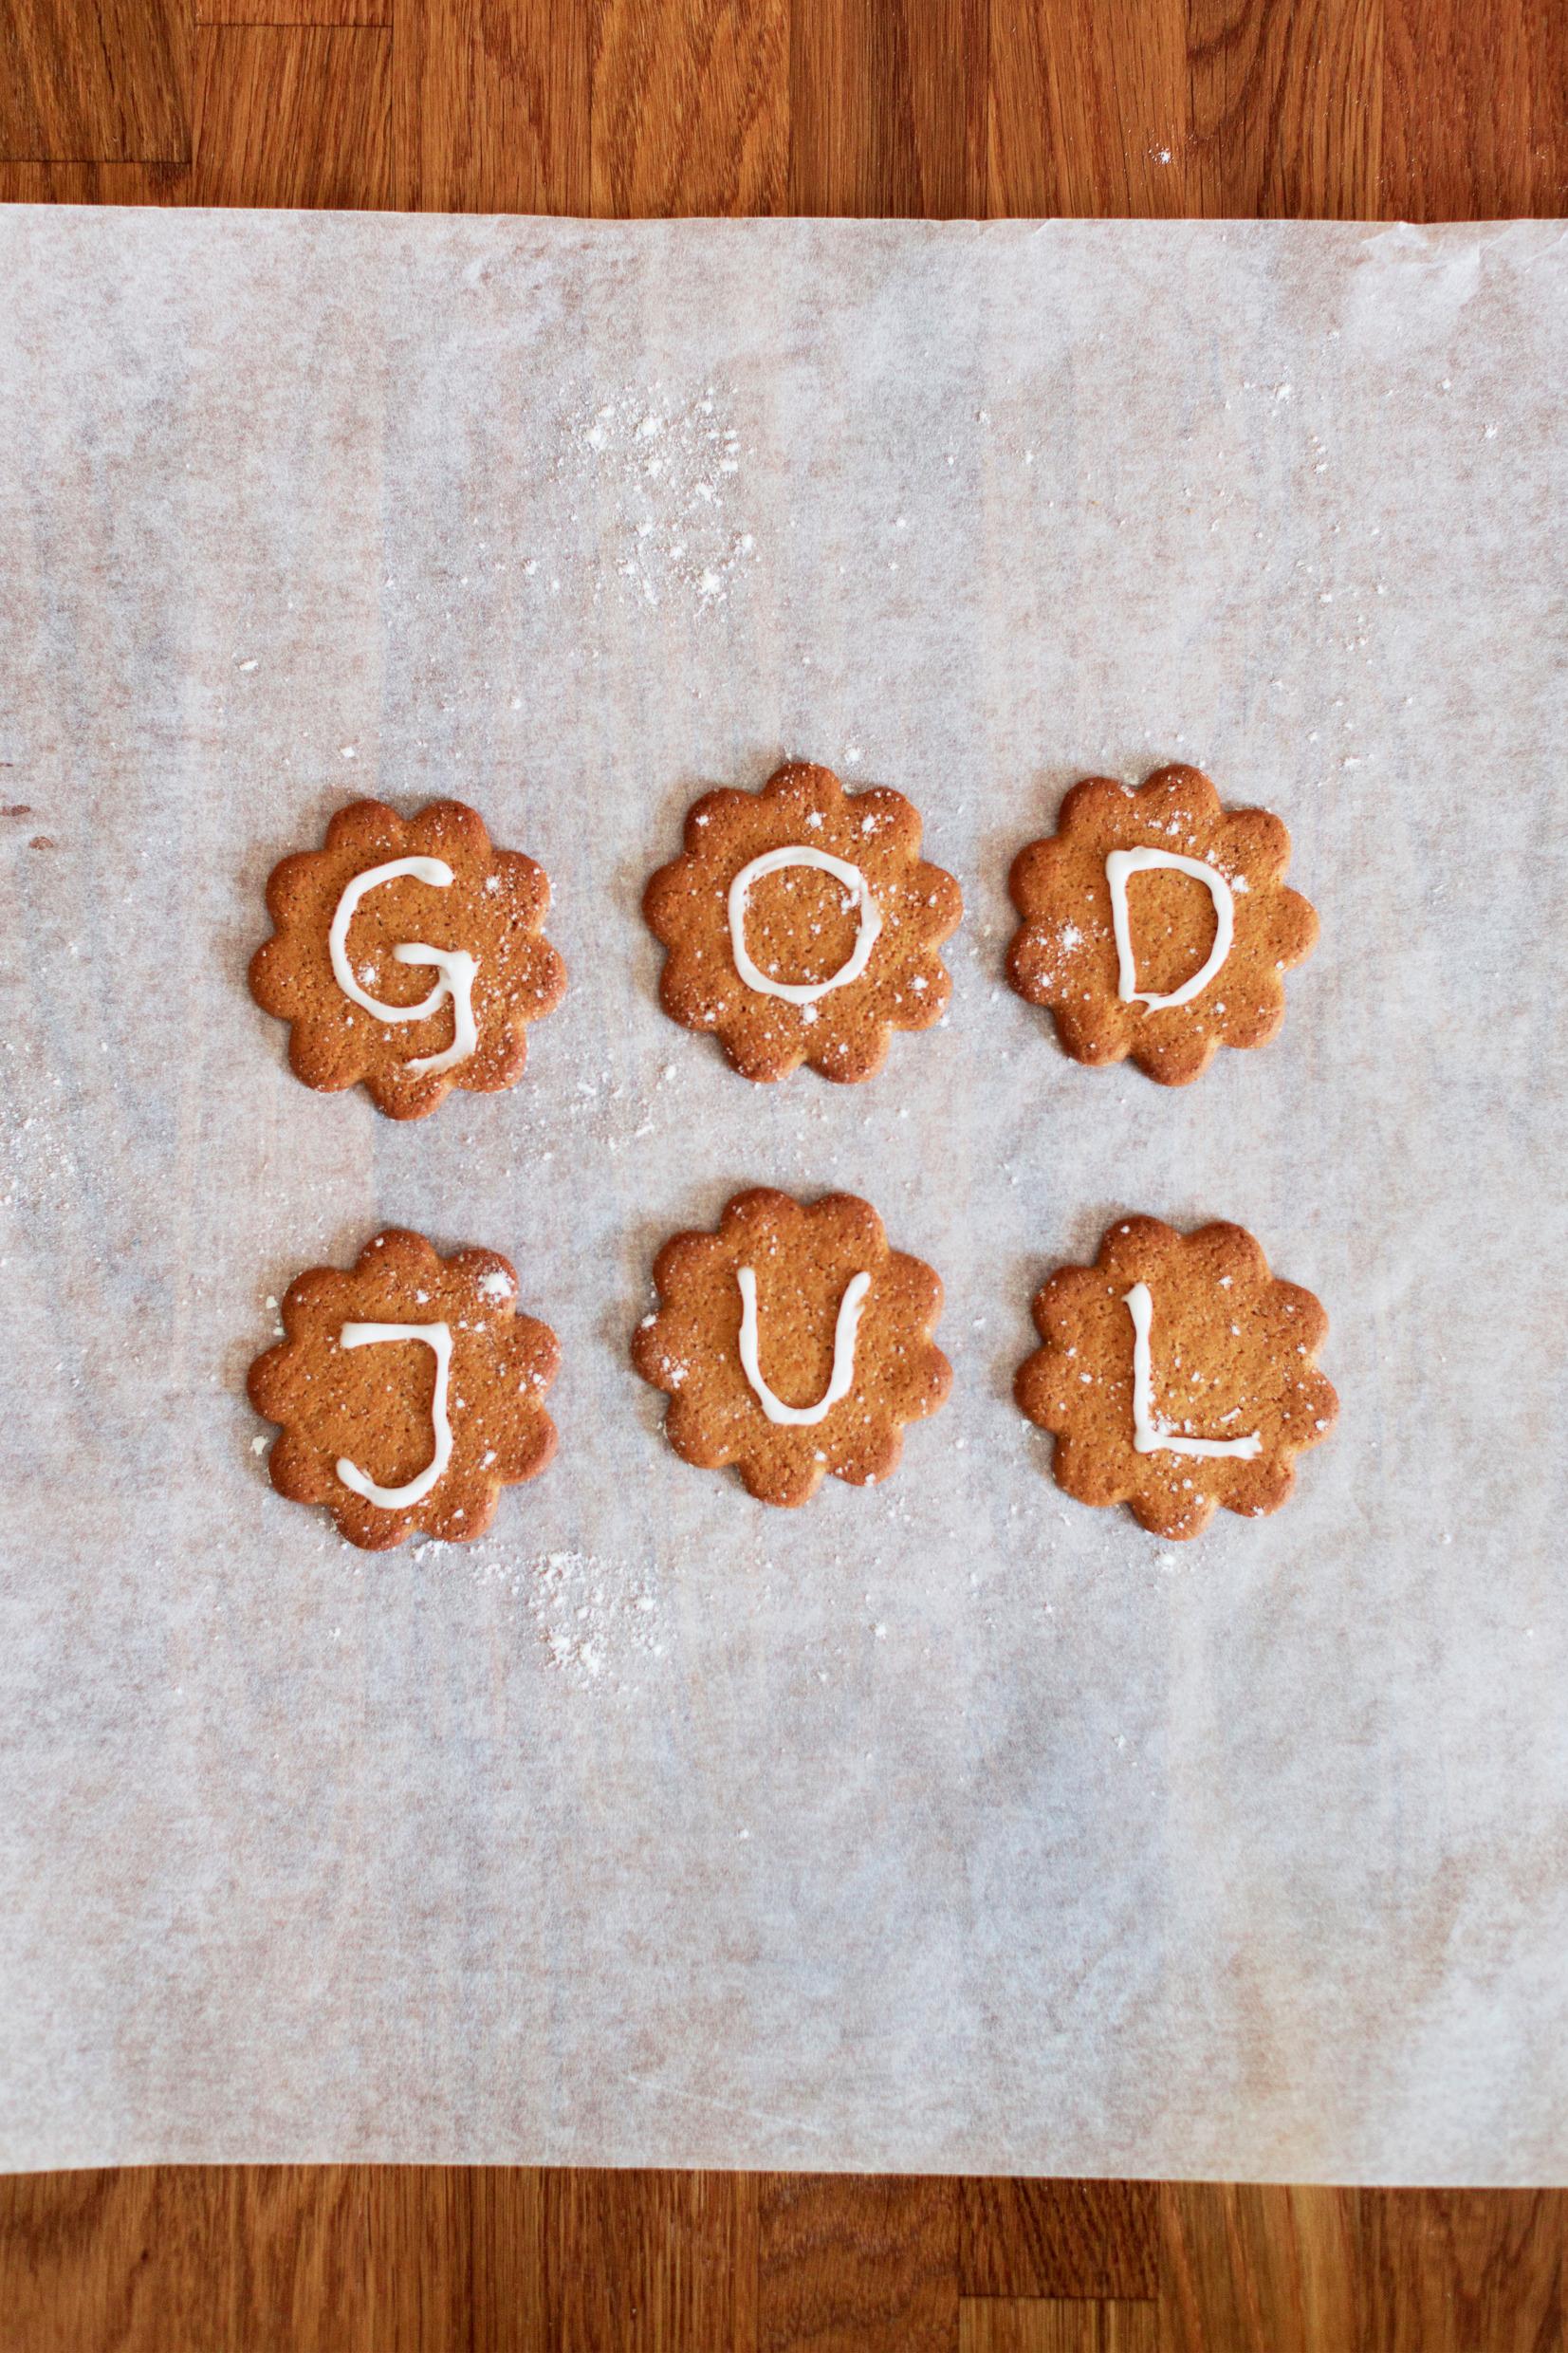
[439, 1338]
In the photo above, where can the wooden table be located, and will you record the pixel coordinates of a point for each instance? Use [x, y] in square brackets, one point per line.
[1347, 108]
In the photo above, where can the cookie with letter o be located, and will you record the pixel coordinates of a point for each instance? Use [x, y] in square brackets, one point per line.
[793, 1343]
[409, 1390]
[409, 954]
[803, 925]
[1156, 923]
[1177, 1375]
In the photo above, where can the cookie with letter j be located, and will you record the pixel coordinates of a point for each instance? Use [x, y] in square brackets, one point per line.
[409, 1390]
[409, 954]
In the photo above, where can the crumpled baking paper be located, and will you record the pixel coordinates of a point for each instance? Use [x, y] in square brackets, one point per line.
[944, 1825]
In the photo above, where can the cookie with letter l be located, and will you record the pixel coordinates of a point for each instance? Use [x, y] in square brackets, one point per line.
[1156, 923]
[410, 1390]
[792, 1342]
[1177, 1373]
[408, 953]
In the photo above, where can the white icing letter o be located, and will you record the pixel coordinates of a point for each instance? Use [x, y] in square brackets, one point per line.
[803, 992]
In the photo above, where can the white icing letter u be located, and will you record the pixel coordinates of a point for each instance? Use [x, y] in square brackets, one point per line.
[455, 968]
[439, 1338]
[1119, 867]
[843, 1351]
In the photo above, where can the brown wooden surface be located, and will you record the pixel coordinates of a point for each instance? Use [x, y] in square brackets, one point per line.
[1349, 108]
[1346, 108]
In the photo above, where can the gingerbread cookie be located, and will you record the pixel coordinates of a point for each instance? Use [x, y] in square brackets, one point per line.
[792, 1342]
[1156, 924]
[361, 926]
[803, 925]
[410, 1390]
[1177, 1373]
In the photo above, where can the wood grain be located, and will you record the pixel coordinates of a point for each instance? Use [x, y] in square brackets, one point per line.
[636, 2262]
[888, 107]
[689, 108]
[293, 114]
[104, 83]
[1475, 116]
[95, 183]
[1096, 2239]
[1448, 2270]
[1285, 106]
[490, 105]
[856, 2264]
[1036, 2325]
[1083, 124]
[1259, 2271]
[293, 13]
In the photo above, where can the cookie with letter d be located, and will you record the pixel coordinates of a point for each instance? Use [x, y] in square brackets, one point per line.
[802, 924]
[409, 954]
[793, 1343]
[1177, 1373]
[1158, 924]
[410, 1390]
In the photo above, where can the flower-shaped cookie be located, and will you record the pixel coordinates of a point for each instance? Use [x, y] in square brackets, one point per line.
[410, 1390]
[1177, 1373]
[793, 1341]
[1158, 924]
[803, 926]
[409, 954]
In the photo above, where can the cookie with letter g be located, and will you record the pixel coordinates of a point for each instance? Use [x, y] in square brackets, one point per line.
[409, 954]
[410, 1390]
[1156, 923]
[793, 1343]
[803, 925]
[1177, 1373]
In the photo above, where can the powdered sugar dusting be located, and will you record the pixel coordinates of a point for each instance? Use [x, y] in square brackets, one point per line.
[598, 1620]
[670, 474]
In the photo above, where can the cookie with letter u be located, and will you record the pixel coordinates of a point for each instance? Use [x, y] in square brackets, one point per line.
[409, 954]
[792, 1342]
[803, 925]
[410, 1390]
[1158, 924]
[1177, 1373]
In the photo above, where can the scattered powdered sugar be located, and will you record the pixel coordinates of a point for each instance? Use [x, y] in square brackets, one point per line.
[597, 1620]
[669, 473]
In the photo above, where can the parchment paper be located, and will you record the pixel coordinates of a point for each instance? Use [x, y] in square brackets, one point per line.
[947, 1826]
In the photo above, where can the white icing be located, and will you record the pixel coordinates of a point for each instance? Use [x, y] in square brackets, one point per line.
[842, 1377]
[439, 1338]
[1150, 1435]
[455, 968]
[807, 991]
[1119, 867]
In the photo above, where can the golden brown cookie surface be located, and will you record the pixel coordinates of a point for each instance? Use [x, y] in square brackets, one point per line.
[803, 925]
[397, 914]
[409, 1389]
[788, 1308]
[1184, 1338]
[1123, 862]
